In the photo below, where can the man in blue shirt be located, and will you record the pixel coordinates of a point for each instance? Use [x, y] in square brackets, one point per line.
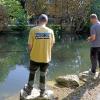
[94, 42]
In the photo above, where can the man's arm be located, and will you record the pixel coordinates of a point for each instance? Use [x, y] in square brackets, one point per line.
[93, 35]
[30, 40]
[53, 38]
[92, 38]
[29, 47]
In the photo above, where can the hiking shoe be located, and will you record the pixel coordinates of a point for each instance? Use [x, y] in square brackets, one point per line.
[93, 75]
[27, 90]
[43, 94]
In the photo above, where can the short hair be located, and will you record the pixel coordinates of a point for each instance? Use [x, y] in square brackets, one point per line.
[93, 16]
[43, 18]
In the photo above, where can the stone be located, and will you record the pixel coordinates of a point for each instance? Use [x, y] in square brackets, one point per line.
[68, 81]
[84, 76]
[98, 97]
[49, 95]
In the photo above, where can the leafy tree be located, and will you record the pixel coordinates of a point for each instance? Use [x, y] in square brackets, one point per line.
[22, 3]
[3, 18]
[36, 7]
[15, 10]
[95, 7]
[75, 13]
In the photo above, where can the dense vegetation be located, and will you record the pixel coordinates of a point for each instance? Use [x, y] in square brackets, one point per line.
[95, 7]
[16, 13]
[74, 18]
[14, 9]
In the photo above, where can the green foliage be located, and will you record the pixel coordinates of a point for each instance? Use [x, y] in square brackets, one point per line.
[36, 7]
[16, 12]
[14, 8]
[57, 30]
[20, 25]
[95, 8]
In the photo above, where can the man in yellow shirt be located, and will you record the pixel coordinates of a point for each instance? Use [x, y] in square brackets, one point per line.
[40, 43]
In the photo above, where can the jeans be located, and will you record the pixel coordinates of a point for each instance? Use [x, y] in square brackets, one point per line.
[95, 58]
[34, 66]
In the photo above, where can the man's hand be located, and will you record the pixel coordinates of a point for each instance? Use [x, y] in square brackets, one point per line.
[89, 39]
[92, 38]
[29, 48]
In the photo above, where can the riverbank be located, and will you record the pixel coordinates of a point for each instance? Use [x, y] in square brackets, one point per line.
[87, 91]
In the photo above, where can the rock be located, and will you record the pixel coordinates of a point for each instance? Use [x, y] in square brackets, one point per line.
[68, 81]
[35, 95]
[98, 97]
[85, 76]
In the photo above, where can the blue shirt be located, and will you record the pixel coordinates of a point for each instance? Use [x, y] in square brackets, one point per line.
[95, 30]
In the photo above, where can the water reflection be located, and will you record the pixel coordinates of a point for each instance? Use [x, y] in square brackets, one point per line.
[69, 59]
[14, 81]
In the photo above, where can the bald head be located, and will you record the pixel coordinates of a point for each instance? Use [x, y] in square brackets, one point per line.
[93, 18]
[43, 18]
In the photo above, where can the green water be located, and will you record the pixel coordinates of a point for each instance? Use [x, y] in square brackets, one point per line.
[68, 58]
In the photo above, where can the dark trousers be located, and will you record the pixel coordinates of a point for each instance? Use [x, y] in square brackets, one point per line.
[95, 58]
[34, 66]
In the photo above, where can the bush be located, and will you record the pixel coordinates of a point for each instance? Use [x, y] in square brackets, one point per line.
[57, 30]
[16, 13]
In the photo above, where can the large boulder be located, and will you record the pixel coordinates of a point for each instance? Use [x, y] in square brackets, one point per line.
[68, 81]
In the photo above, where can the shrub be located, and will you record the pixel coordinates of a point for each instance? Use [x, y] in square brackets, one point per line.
[57, 30]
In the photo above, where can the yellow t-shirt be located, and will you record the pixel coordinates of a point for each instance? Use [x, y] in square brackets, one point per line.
[42, 39]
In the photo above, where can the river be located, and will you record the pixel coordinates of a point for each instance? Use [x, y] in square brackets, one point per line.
[68, 58]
